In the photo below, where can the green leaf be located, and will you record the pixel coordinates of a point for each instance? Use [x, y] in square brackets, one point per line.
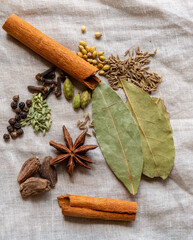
[118, 136]
[156, 133]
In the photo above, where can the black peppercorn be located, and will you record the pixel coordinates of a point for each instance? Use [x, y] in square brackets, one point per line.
[12, 121]
[23, 115]
[26, 109]
[17, 125]
[21, 105]
[6, 137]
[17, 117]
[29, 103]
[19, 132]
[10, 129]
[13, 105]
[14, 135]
[16, 98]
[17, 110]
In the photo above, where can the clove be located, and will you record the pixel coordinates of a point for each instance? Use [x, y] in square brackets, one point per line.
[58, 89]
[48, 82]
[51, 89]
[34, 89]
[48, 74]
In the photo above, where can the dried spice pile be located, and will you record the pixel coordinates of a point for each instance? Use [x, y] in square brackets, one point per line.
[132, 69]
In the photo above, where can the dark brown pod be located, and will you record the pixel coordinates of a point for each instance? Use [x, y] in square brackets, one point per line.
[28, 169]
[48, 172]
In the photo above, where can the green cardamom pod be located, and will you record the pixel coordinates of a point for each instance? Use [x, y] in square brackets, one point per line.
[68, 89]
[76, 101]
[85, 99]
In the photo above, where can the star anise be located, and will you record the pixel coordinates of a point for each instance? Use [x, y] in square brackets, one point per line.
[72, 153]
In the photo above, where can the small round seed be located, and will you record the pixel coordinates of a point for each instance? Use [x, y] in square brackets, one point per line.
[101, 72]
[106, 67]
[90, 61]
[84, 52]
[80, 47]
[94, 54]
[13, 135]
[16, 98]
[89, 55]
[92, 49]
[83, 29]
[79, 54]
[6, 137]
[94, 62]
[98, 34]
[100, 66]
[100, 53]
[102, 58]
[87, 48]
[85, 57]
[83, 43]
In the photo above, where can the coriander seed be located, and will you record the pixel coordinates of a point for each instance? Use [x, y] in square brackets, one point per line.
[83, 43]
[80, 47]
[83, 29]
[92, 49]
[100, 66]
[106, 67]
[79, 54]
[98, 34]
[85, 57]
[87, 48]
[101, 72]
[102, 58]
[100, 53]
[84, 52]
[94, 54]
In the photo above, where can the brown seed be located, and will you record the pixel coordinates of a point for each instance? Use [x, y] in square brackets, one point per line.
[48, 172]
[28, 169]
[34, 186]
[13, 135]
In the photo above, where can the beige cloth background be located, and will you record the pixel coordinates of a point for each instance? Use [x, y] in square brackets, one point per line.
[165, 207]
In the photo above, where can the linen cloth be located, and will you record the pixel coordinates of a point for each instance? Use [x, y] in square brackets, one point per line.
[165, 208]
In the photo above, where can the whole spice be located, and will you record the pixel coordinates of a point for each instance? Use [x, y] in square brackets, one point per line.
[10, 129]
[16, 98]
[48, 74]
[132, 69]
[12, 121]
[13, 135]
[28, 169]
[26, 109]
[19, 132]
[17, 125]
[17, 110]
[18, 117]
[6, 137]
[97, 208]
[83, 43]
[47, 93]
[39, 115]
[13, 105]
[72, 153]
[48, 172]
[23, 115]
[98, 34]
[85, 99]
[58, 91]
[21, 105]
[83, 29]
[76, 101]
[29, 103]
[68, 89]
[34, 186]
[123, 150]
[52, 51]
[156, 132]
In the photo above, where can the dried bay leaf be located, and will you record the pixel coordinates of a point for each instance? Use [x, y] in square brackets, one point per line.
[118, 136]
[156, 133]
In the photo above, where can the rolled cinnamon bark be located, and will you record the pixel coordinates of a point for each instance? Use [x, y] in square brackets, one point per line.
[98, 208]
[52, 51]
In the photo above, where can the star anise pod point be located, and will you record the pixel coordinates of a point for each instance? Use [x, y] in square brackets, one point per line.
[72, 153]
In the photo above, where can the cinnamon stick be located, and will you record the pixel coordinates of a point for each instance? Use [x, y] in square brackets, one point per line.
[52, 51]
[98, 208]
